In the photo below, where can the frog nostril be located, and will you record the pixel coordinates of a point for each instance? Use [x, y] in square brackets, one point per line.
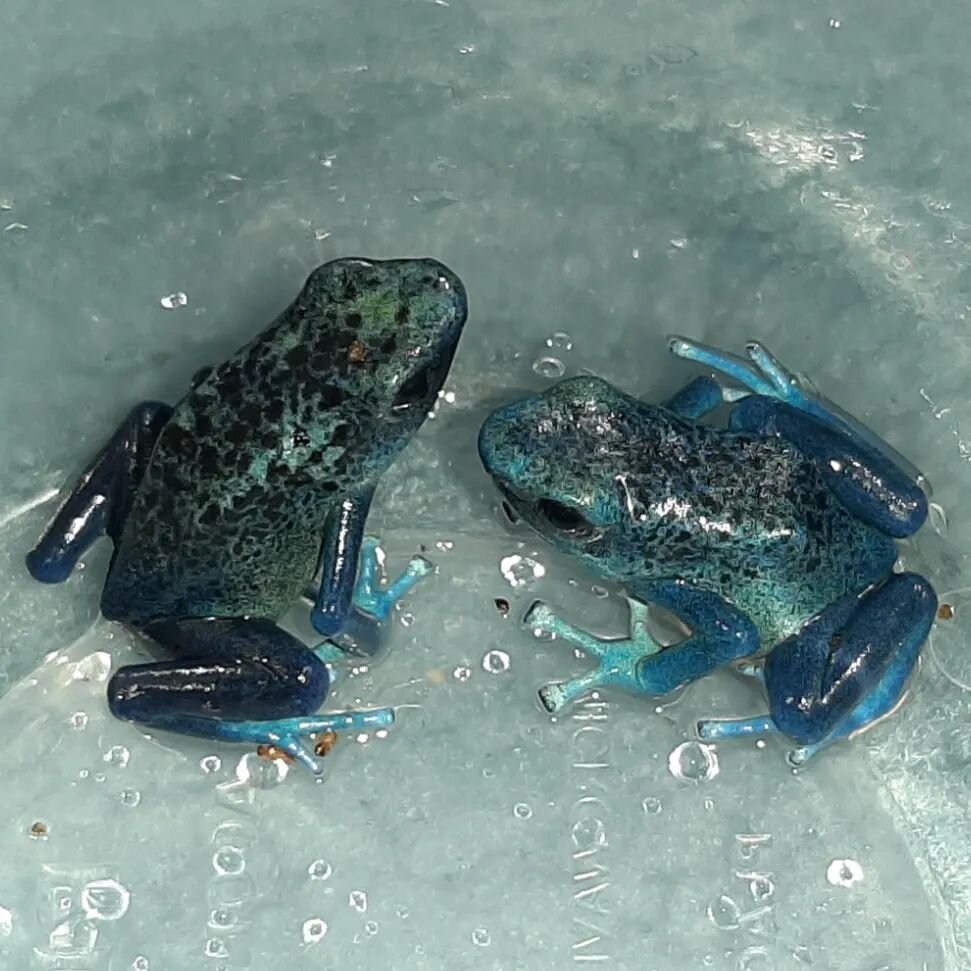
[563, 517]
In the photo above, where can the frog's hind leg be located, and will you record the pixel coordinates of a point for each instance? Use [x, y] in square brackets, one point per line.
[101, 499]
[235, 680]
[871, 478]
[719, 634]
[701, 396]
[844, 671]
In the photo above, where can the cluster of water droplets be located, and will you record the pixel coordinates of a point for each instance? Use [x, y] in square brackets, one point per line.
[550, 364]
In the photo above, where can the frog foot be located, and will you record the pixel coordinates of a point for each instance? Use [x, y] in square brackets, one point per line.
[618, 660]
[284, 737]
[376, 600]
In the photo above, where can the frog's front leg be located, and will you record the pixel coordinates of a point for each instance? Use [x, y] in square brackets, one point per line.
[845, 670]
[99, 502]
[719, 634]
[352, 604]
[235, 680]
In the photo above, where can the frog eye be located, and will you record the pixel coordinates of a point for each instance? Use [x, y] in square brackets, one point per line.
[563, 518]
[413, 390]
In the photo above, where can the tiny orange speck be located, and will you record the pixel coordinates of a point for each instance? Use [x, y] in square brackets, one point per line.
[325, 743]
[357, 352]
[273, 753]
[945, 612]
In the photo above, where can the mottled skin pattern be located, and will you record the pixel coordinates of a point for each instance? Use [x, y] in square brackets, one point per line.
[259, 452]
[773, 536]
[223, 508]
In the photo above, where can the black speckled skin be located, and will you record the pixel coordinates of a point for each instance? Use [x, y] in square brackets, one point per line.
[227, 520]
[749, 518]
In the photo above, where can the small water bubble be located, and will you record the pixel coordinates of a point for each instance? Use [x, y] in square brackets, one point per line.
[467, 49]
[117, 755]
[79, 720]
[541, 634]
[221, 919]
[760, 886]
[130, 797]
[99, 777]
[844, 873]
[724, 913]
[709, 804]
[445, 546]
[140, 963]
[210, 764]
[462, 673]
[520, 571]
[371, 928]
[362, 738]
[6, 922]
[260, 773]
[95, 667]
[320, 870]
[560, 341]
[549, 367]
[228, 861]
[320, 235]
[215, 948]
[601, 592]
[480, 937]
[937, 518]
[401, 912]
[835, 23]
[105, 900]
[651, 805]
[173, 301]
[358, 900]
[522, 811]
[693, 762]
[407, 618]
[495, 662]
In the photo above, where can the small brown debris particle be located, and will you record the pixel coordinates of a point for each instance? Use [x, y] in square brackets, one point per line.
[502, 605]
[945, 612]
[357, 352]
[273, 753]
[325, 743]
[39, 830]
[435, 676]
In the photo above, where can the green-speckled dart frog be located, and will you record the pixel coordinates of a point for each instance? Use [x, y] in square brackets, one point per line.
[222, 509]
[770, 539]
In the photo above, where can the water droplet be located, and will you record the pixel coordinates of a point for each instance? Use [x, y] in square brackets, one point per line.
[709, 804]
[210, 764]
[755, 958]
[802, 954]
[215, 948]
[371, 928]
[495, 662]
[844, 873]
[600, 592]
[260, 773]
[522, 811]
[320, 235]
[221, 919]
[760, 743]
[480, 937]
[175, 300]
[938, 518]
[724, 913]
[401, 912]
[407, 618]
[320, 870]
[6, 922]
[560, 341]
[105, 900]
[79, 720]
[362, 738]
[760, 886]
[549, 367]
[693, 762]
[467, 49]
[99, 777]
[117, 755]
[520, 571]
[130, 797]
[542, 634]
[445, 546]
[462, 673]
[835, 23]
[358, 900]
[95, 667]
[228, 861]
[651, 805]
[140, 963]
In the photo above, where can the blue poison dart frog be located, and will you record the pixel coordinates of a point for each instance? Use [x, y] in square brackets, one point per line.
[771, 539]
[222, 508]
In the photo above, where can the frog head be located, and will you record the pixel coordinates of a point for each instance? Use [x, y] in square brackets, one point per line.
[377, 340]
[560, 458]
